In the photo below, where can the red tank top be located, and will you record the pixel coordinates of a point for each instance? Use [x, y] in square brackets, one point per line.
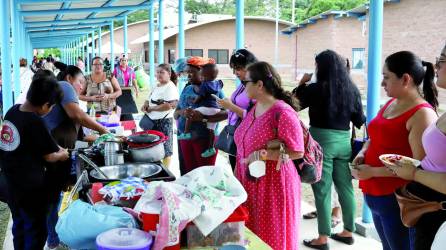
[387, 136]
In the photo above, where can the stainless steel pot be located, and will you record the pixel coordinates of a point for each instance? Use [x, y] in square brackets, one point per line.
[113, 153]
[149, 154]
[119, 172]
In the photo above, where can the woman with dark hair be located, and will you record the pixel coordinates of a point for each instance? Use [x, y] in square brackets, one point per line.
[26, 146]
[127, 82]
[273, 197]
[64, 122]
[428, 179]
[192, 149]
[397, 129]
[162, 100]
[239, 103]
[334, 102]
[99, 89]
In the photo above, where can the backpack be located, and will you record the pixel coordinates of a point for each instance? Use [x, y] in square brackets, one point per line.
[310, 166]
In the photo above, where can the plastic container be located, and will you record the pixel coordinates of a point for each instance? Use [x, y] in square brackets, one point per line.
[150, 223]
[95, 195]
[231, 231]
[124, 239]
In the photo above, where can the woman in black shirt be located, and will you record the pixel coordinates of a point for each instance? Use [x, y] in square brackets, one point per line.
[333, 101]
[25, 146]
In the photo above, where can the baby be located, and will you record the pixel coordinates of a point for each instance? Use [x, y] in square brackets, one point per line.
[208, 105]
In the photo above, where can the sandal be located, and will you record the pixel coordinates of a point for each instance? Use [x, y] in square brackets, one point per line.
[335, 222]
[343, 239]
[310, 215]
[308, 243]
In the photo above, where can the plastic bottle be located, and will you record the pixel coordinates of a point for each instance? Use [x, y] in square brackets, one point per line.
[92, 111]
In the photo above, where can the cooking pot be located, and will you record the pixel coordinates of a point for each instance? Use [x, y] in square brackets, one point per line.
[119, 172]
[143, 138]
[148, 154]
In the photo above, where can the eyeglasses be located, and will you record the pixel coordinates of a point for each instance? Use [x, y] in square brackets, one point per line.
[244, 82]
[98, 64]
[440, 60]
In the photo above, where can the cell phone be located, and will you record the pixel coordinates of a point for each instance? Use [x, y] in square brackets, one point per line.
[216, 97]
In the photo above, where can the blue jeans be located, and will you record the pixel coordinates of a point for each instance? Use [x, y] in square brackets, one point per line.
[386, 217]
[53, 238]
[29, 226]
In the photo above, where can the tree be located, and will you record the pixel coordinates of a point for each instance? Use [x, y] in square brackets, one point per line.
[53, 52]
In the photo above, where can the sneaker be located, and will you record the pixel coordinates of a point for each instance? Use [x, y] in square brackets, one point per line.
[185, 136]
[208, 153]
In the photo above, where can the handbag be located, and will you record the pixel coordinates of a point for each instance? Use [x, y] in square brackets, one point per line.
[309, 167]
[413, 207]
[225, 141]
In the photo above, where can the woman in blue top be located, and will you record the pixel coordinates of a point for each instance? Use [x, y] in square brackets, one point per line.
[192, 149]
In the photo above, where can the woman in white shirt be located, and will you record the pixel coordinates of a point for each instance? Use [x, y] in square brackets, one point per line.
[159, 108]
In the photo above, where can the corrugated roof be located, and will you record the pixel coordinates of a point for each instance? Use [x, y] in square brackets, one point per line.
[359, 12]
[173, 31]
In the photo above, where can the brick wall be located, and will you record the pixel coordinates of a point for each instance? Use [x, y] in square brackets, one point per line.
[259, 38]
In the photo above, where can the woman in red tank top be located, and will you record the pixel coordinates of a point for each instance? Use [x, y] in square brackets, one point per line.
[397, 129]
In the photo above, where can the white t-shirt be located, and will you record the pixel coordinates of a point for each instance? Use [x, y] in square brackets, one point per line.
[166, 92]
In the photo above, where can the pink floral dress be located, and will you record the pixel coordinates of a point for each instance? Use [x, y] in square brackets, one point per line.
[274, 199]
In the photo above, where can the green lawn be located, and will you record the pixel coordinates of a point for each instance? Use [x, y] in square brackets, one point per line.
[4, 217]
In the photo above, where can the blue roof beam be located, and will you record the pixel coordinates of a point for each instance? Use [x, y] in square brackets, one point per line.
[107, 4]
[82, 10]
[72, 21]
[93, 25]
[49, 1]
[59, 33]
[65, 5]
[125, 13]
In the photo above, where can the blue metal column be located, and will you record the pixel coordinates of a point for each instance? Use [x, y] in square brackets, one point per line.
[15, 51]
[112, 39]
[5, 54]
[93, 53]
[181, 28]
[374, 71]
[239, 27]
[87, 55]
[100, 41]
[160, 32]
[151, 46]
[240, 24]
[125, 37]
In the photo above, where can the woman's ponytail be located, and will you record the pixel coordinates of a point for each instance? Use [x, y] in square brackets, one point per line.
[287, 97]
[430, 92]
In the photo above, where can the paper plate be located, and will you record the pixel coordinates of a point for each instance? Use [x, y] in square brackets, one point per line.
[392, 159]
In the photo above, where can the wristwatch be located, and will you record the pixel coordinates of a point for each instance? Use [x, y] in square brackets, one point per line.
[204, 120]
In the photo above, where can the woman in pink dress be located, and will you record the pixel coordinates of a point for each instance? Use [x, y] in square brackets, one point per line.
[273, 199]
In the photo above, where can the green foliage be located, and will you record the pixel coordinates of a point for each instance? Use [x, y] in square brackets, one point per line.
[54, 52]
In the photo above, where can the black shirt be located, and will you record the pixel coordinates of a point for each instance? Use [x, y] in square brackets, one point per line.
[24, 140]
[322, 115]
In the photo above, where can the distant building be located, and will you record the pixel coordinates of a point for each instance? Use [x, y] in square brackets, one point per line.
[213, 38]
[414, 25]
